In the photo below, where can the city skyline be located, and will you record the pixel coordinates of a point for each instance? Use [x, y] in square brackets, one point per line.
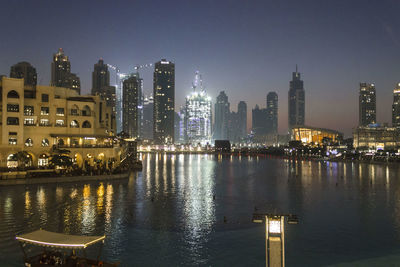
[244, 54]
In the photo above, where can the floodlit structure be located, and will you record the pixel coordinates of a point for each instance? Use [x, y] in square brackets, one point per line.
[376, 138]
[198, 115]
[38, 120]
[307, 134]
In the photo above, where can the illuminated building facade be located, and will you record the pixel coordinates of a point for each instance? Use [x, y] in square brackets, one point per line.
[367, 104]
[313, 135]
[54, 117]
[24, 70]
[222, 112]
[296, 101]
[198, 118]
[164, 102]
[375, 138]
[396, 107]
[61, 75]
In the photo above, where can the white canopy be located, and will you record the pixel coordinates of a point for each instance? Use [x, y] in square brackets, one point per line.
[51, 239]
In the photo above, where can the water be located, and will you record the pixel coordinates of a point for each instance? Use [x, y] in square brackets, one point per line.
[166, 215]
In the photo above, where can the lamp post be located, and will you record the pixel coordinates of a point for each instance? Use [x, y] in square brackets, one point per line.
[274, 236]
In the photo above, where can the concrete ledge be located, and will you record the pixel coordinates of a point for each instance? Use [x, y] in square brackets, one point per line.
[63, 179]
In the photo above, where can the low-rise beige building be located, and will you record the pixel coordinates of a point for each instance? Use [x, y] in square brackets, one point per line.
[41, 118]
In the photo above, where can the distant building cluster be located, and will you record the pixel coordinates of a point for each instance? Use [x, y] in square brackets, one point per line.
[152, 119]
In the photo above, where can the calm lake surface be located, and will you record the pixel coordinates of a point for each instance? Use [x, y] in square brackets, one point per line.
[166, 215]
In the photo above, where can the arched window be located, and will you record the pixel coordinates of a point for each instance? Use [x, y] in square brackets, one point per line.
[45, 142]
[12, 161]
[74, 124]
[86, 111]
[29, 142]
[61, 142]
[75, 110]
[12, 94]
[86, 124]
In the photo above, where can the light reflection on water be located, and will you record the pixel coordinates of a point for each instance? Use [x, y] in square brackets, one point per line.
[176, 206]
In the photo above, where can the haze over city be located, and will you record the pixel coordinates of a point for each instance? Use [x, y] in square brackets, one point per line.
[246, 48]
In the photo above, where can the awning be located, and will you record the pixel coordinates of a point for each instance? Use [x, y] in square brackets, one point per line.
[50, 239]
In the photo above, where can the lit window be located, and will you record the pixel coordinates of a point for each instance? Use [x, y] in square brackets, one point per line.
[74, 124]
[45, 142]
[12, 108]
[60, 112]
[29, 142]
[44, 122]
[28, 110]
[59, 123]
[29, 121]
[44, 111]
[12, 140]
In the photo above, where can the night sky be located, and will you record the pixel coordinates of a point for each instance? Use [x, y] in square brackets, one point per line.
[246, 48]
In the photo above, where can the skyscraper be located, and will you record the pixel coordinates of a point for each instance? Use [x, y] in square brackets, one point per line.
[222, 112]
[60, 69]
[234, 127]
[148, 107]
[61, 75]
[259, 122]
[272, 110]
[242, 114]
[198, 118]
[396, 107]
[296, 101]
[367, 104]
[164, 102]
[24, 70]
[130, 123]
[100, 77]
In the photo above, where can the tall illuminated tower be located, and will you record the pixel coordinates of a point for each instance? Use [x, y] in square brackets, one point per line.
[396, 107]
[61, 75]
[198, 115]
[296, 101]
[367, 104]
[164, 102]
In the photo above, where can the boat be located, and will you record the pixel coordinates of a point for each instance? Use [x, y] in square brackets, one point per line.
[60, 249]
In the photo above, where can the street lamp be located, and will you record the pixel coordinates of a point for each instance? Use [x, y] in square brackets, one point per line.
[274, 236]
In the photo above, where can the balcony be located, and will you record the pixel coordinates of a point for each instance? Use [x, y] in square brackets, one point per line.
[86, 146]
